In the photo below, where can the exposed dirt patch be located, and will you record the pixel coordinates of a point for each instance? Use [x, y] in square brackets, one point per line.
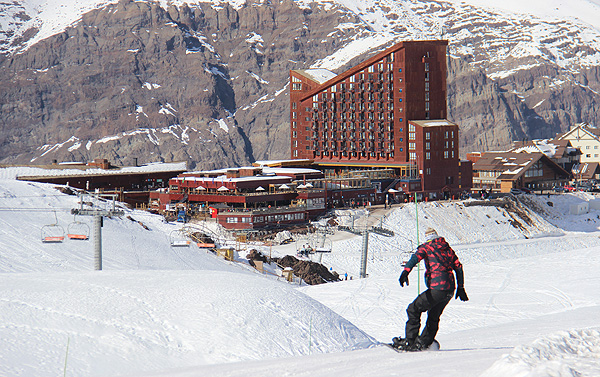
[311, 272]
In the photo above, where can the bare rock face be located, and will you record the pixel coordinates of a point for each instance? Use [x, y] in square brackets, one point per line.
[135, 80]
[208, 85]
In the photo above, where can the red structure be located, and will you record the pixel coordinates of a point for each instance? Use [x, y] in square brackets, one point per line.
[247, 198]
[387, 112]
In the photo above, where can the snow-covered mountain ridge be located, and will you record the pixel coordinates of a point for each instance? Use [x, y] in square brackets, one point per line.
[487, 33]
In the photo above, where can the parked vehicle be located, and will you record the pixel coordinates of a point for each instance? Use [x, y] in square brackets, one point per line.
[515, 191]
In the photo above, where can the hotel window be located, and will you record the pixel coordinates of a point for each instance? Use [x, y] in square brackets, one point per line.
[426, 96]
[293, 124]
[426, 67]
[412, 156]
[427, 156]
[427, 136]
[295, 153]
[445, 154]
[426, 76]
[294, 105]
[411, 128]
[294, 115]
[232, 220]
[426, 86]
[428, 145]
[411, 136]
[412, 146]
[428, 171]
[294, 134]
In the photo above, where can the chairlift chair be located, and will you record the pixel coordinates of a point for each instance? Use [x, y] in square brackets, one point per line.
[177, 238]
[326, 248]
[78, 230]
[405, 256]
[53, 233]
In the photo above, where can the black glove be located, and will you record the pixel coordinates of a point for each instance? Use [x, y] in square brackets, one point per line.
[404, 278]
[460, 293]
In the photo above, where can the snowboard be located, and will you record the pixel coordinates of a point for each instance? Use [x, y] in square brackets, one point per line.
[435, 346]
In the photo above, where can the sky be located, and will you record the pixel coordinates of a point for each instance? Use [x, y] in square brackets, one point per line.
[157, 310]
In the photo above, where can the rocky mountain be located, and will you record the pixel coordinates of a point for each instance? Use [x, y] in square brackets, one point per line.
[207, 82]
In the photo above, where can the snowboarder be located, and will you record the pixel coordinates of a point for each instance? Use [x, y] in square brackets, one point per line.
[440, 261]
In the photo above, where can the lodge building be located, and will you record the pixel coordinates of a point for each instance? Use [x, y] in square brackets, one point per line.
[388, 112]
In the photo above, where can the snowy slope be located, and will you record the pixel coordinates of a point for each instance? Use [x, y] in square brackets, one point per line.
[152, 307]
[119, 322]
[157, 310]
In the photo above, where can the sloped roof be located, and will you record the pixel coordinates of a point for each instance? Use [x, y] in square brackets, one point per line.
[318, 75]
[585, 170]
[553, 148]
[433, 123]
[512, 165]
[28, 172]
[583, 127]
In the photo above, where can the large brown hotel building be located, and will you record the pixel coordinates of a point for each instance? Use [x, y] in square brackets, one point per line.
[387, 112]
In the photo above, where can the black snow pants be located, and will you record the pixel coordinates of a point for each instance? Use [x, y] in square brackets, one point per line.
[433, 302]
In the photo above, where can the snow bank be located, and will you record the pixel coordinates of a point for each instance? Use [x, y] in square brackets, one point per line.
[562, 354]
[119, 322]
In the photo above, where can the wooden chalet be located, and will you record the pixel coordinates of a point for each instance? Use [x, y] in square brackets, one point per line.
[502, 171]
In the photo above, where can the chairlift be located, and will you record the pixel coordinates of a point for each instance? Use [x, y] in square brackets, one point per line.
[178, 238]
[304, 247]
[405, 256]
[53, 233]
[326, 248]
[78, 230]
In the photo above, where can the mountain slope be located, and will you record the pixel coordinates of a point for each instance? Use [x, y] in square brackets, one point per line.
[207, 82]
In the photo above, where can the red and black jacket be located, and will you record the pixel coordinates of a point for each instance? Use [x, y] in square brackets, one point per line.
[440, 263]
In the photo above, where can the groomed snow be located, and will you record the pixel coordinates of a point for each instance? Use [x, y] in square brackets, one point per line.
[164, 311]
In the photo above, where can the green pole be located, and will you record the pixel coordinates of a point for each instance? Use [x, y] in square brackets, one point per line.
[66, 356]
[418, 265]
[310, 336]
